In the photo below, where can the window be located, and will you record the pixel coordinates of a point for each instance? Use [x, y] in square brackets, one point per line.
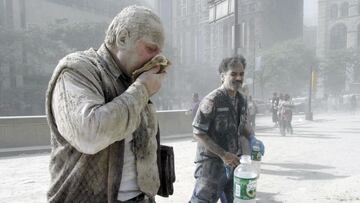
[338, 37]
[231, 6]
[211, 14]
[222, 9]
[333, 11]
[345, 9]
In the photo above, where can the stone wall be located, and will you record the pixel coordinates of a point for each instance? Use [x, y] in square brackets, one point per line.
[33, 131]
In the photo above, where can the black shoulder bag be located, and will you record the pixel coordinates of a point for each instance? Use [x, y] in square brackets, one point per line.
[166, 165]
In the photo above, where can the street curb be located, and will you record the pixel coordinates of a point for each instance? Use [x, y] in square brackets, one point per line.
[8, 152]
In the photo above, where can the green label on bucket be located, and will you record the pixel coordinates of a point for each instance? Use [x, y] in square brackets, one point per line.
[244, 188]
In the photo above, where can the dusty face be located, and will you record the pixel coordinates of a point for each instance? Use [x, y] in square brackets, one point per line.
[233, 78]
[137, 52]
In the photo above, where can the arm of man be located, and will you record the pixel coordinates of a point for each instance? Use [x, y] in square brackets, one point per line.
[86, 121]
[245, 135]
[289, 104]
[227, 157]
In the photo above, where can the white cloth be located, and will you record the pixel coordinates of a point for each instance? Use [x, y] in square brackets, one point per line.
[128, 186]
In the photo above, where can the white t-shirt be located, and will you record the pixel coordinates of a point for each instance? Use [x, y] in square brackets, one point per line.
[128, 186]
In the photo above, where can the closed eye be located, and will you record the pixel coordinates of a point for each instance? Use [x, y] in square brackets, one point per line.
[152, 48]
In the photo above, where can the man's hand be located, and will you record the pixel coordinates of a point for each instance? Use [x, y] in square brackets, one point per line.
[230, 159]
[254, 141]
[152, 79]
[247, 130]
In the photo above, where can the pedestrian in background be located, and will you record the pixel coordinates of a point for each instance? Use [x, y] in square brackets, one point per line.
[252, 112]
[285, 115]
[274, 108]
[353, 103]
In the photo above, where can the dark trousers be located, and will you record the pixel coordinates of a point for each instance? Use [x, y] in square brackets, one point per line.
[211, 181]
[274, 116]
[142, 198]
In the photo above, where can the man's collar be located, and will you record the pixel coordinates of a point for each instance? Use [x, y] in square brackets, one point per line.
[115, 70]
[225, 91]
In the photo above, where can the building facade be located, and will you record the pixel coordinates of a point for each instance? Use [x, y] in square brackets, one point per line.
[339, 25]
[339, 29]
[204, 31]
[192, 49]
[261, 23]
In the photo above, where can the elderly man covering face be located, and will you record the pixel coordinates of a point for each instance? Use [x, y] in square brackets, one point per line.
[103, 126]
[221, 127]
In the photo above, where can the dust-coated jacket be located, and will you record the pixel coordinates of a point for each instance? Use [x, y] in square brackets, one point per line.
[98, 103]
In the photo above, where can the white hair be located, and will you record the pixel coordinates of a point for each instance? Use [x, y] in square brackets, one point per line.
[138, 21]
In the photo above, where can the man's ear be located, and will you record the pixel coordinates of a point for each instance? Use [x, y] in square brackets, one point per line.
[122, 38]
[222, 77]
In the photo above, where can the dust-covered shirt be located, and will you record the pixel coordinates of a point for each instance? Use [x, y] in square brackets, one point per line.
[222, 121]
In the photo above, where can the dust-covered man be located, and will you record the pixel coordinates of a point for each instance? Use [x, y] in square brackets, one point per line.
[103, 126]
[221, 128]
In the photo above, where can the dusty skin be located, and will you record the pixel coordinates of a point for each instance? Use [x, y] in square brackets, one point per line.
[160, 60]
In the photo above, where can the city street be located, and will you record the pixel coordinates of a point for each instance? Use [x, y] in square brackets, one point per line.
[95, 69]
[318, 163]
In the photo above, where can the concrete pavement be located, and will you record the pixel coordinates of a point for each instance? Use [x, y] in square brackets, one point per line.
[318, 163]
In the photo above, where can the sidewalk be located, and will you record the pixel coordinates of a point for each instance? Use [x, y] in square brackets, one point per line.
[263, 122]
[315, 164]
[318, 163]
[25, 178]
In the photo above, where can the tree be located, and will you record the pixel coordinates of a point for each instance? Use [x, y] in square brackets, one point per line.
[286, 68]
[9, 40]
[16, 68]
[44, 46]
[336, 67]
